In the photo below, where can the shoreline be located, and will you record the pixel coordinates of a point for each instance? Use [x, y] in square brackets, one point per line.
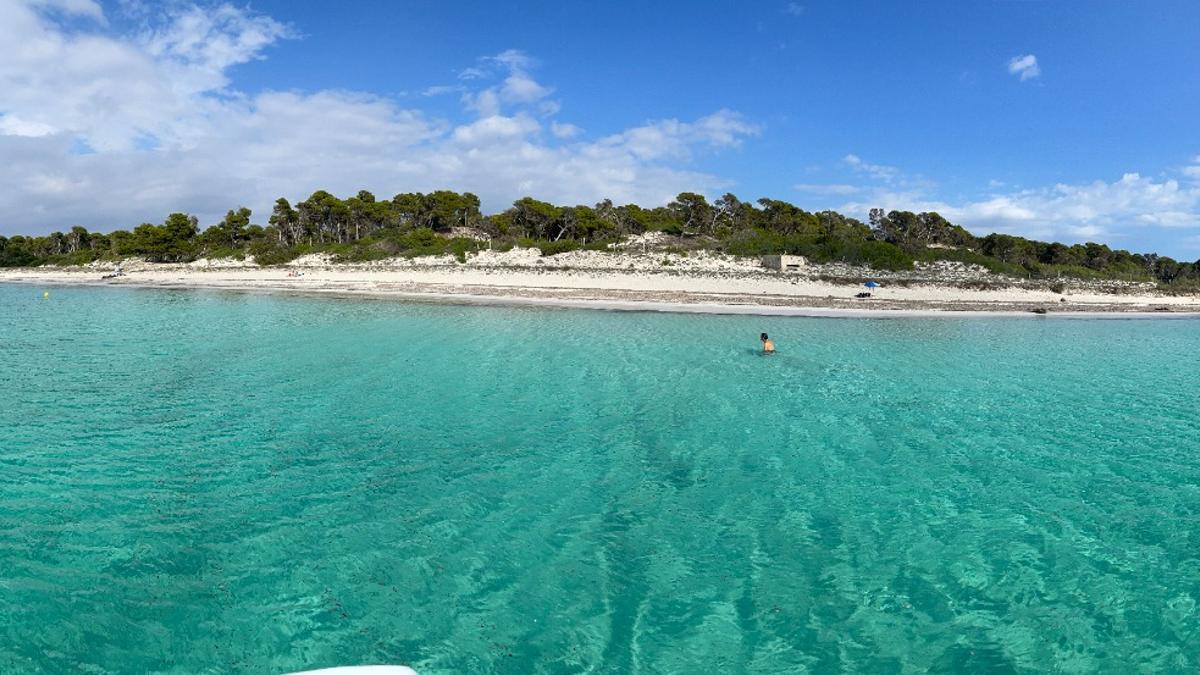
[612, 290]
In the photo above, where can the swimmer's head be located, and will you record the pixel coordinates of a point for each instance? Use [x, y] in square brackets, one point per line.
[763, 337]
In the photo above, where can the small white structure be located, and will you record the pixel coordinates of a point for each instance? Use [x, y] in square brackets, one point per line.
[784, 263]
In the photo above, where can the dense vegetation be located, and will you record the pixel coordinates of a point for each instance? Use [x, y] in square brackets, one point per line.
[362, 227]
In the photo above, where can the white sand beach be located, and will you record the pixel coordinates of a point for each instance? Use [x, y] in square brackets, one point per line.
[650, 281]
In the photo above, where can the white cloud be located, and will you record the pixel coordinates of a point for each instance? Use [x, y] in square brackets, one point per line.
[1064, 212]
[512, 59]
[164, 130]
[86, 8]
[1025, 67]
[211, 40]
[517, 88]
[472, 73]
[827, 189]
[440, 89]
[1193, 170]
[793, 9]
[878, 171]
[520, 88]
[1126, 212]
[495, 128]
[11, 125]
[564, 130]
[672, 139]
[117, 93]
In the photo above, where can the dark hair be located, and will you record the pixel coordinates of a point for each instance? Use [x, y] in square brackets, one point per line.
[764, 337]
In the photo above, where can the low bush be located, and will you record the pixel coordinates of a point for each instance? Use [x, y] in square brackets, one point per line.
[549, 248]
[268, 253]
[460, 246]
[878, 255]
[81, 257]
[225, 252]
[969, 257]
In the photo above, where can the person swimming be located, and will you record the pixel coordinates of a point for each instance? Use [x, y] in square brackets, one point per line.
[768, 346]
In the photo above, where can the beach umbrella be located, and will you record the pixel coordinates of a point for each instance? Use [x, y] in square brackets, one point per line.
[871, 285]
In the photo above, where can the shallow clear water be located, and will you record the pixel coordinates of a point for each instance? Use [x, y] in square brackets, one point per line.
[196, 481]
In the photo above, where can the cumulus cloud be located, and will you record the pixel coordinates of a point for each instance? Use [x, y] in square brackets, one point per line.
[109, 130]
[11, 125]
[1024, 67]
[440, 89]
[672, 139]
[208, 41]
[564, 129]
[1134, 211]
[118, 93]
[827, 188]
[1100, 210]
[518, 86]
[878, 171]
[1192, 170]
[85, 8]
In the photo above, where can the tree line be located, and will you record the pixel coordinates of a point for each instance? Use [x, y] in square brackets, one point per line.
[363, 227]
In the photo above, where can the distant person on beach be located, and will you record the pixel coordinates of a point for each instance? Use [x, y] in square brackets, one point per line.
[768, 346]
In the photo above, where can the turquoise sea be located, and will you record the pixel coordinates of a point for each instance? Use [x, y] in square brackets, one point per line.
[218, 482]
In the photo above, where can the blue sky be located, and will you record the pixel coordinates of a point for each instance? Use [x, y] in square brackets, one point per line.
[1069, 121]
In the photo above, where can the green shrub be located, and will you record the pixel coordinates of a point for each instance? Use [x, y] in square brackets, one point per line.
[755, 242]
[667, 227]
[16, 257]
[80, 257]
[460, 246]
[362, 251]
[420, 242]
[970, 257]
[549, 248]
[267, 253]
[876, 254]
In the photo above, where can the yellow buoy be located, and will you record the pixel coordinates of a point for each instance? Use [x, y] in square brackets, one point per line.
[46, 295]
